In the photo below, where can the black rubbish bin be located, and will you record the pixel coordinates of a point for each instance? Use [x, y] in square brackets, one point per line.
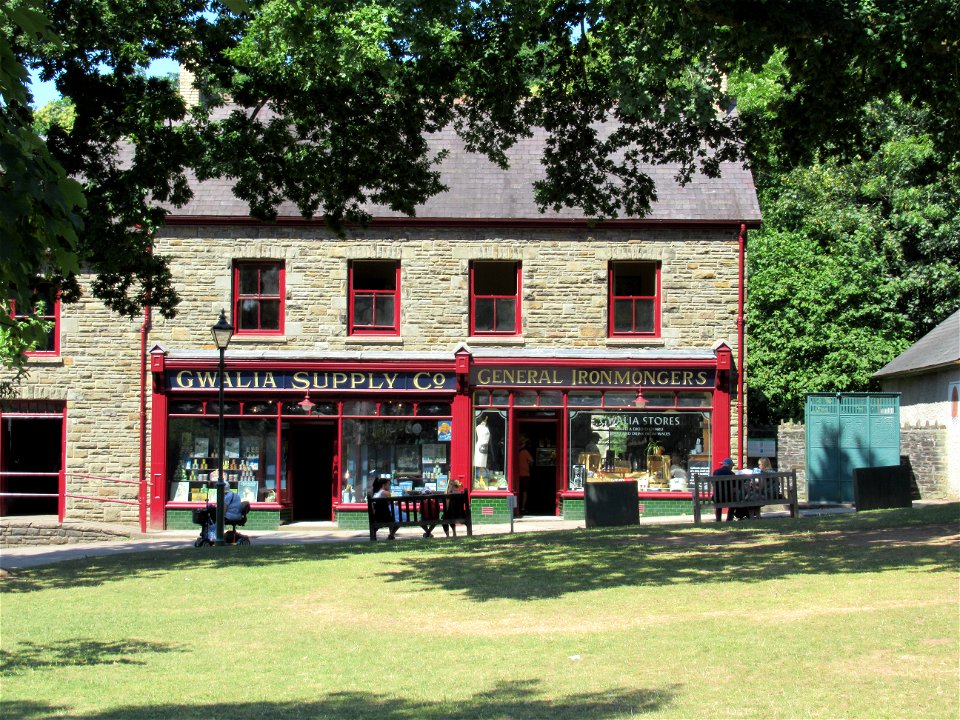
[609, 504]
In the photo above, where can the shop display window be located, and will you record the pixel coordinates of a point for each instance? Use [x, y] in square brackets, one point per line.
[691, 399]
[249, 458]
[433, 409]
[660, 450]
[360, 407]
[551, 398]
[525, 398]
[490, 450]
[613, 398]
[413, 454]
[660, 399]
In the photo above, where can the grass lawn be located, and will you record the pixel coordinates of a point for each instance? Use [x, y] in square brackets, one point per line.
[835, 617]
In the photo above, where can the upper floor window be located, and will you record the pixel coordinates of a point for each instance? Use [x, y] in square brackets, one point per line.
[494, 298]
[258, 296]
[374, 297]
[44, 305]
[634, 299]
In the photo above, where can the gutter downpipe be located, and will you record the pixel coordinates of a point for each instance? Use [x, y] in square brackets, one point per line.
[741, 342]
[144, 331]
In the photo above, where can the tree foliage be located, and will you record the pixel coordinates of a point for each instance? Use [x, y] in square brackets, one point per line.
[331, 101]
[856, 260]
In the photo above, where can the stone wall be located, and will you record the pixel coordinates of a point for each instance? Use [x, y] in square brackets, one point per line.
[47, 531]
[791, 454]
[925, 447]
[564, 275]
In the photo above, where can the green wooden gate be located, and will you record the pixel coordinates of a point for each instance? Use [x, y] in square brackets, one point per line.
[847, 431]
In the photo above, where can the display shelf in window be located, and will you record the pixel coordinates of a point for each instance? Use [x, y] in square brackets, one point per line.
[198, 474]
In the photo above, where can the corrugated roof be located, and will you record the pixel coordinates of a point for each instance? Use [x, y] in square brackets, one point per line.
[939, 347]
[480, 190]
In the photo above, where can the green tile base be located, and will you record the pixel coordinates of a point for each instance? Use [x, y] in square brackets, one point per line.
[573, 508]
[665, 508]
[352, 520]
[489, 510]
[256, 520]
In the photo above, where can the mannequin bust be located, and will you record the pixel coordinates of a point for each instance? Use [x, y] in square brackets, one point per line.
[482, 448]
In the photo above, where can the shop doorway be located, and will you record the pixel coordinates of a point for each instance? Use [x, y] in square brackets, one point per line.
[311, 450]
[538, 434]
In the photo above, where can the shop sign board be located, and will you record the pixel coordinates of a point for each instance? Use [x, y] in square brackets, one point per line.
[586, 377]
[312, 380]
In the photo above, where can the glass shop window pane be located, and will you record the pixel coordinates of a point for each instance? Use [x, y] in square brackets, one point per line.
[490, 450]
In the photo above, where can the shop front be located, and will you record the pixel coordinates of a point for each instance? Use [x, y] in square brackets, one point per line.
[303, 441]
[544, 427]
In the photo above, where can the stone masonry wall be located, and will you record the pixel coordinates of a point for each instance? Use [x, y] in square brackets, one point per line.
[924, 446]
[564, 275]
[97, 374]
[564, 284]
[791, 454]
[47, 531]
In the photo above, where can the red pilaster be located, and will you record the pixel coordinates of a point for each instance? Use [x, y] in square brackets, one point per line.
[721, 405]
[462, 421]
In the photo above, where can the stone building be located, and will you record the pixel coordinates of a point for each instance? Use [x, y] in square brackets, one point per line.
[424, 349]
[927, 376]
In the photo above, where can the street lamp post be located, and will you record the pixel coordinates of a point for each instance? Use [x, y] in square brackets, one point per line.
[222, 332]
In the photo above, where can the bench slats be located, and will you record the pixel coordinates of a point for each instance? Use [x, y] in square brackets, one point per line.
[426, 511]
[745, 491]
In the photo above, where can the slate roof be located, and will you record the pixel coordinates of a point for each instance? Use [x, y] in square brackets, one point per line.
[936, 349]
[479, 190]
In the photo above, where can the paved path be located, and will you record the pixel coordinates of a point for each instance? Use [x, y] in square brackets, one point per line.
[23, 556]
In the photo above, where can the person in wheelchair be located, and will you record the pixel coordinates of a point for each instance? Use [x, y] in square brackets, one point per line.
[233, 511]
[234, 514]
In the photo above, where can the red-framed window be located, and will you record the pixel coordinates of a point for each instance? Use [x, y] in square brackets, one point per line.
[258, 292]
[374, 300]
[634, 299]
[44, 305]
[495, 297]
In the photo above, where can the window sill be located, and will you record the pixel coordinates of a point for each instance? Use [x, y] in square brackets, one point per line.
[52, 360]
[257, 339]
[373, 340]
[496, 340]
[628, 342]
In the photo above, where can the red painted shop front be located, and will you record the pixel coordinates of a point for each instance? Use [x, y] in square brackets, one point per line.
[303, 440]
[545, 426]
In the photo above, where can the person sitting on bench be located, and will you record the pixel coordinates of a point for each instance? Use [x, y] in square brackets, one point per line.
[381, 489]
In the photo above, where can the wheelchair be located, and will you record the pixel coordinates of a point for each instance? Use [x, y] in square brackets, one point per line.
[206, 518]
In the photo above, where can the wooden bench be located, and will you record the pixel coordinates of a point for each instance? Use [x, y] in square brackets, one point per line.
[425, 511]
[744, 491]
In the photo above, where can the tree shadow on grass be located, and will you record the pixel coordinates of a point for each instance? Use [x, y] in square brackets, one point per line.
[100, 570]
[516, 699]
[551, 565]
[78, 652]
